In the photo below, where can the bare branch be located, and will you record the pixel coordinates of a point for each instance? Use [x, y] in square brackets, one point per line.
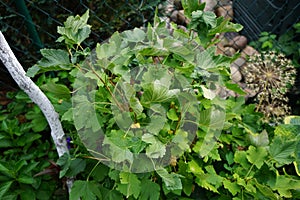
[36, 95]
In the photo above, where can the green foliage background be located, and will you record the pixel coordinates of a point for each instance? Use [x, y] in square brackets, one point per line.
[250, 159]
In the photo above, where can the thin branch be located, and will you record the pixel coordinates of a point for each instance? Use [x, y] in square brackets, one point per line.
[37, 96]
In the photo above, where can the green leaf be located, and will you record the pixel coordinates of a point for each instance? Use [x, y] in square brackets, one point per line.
[172, 181]
[59, 90]
[117, 153]
[157, 115]
[38, 121]
[209, 180]
[194, 167]
[84, 113]
[179, 49]
[235, 88]
[207, 60]
[288, 131]
[157, 92]
[126, 141]
[4, 187]
[114, 175]
[207, 93]
[285, 184]
[190, 6]
[28, 138]
[297, 161]
[29, 194]
[202, 22]
[130, 184]
[159, 73]
[4, 143]
[266, 171]
[64, 162]
[212, 118]
[257, 155]
[75, 29]
[76, 166]
[135, 35]
[229, 158]
[266, 191]
[13, 196]
[188, 185]
[26, 179]
[209, 18]
[149, 190]
[136, 105]
[106, 50]
[200, 18]
[259, 140]
[225, 26]
[68, 116]
[248, 185]
[4, 169]
[295, 120]
[32, 71]
[156, 149]
[233, 187]
[85, 190]
[187, 181]
[172, 115]
[100, 172]
[240, 157]
[30, 167]
[281, 151]
[153, 51]
[109, 194]
[52, 60]
[18, 165]
[181, 141]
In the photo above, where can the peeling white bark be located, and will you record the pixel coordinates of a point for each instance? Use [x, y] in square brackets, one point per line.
[36, 95]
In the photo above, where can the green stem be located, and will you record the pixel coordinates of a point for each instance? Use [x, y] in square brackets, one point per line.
[107, 87]
[88, 177]
[249, 171]
[33, 34]
[242, 194]
[261, 100]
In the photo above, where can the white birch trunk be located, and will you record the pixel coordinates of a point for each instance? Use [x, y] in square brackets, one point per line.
[36, 95]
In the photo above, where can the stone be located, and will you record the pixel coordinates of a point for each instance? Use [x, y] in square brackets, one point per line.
[236, 75]
[220, 49]
[248, 51]
[178, 4]
[174, 16]
[181, 17]
[178, 17]
[224, 93]
[231, 35]
[182, 28]
[239, 62]
[224, 2]
[229, 51]
[235, 67]
[249, 93]
[210, 4]
[168, 9]
[225, 11]
[238, 42]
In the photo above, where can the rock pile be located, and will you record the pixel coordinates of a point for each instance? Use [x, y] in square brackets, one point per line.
[230, 42]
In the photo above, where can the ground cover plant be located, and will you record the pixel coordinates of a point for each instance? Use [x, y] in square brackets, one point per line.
[287, 43]
[143, 121]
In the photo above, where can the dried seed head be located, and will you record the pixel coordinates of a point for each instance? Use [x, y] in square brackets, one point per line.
[270, 75]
